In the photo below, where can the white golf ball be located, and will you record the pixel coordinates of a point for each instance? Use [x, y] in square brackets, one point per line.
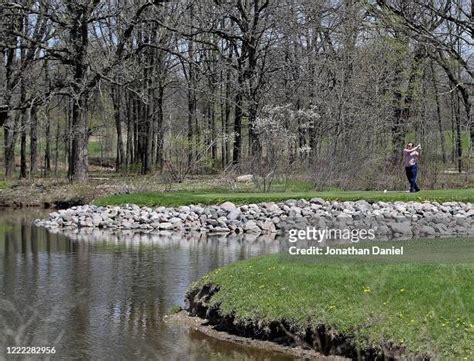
[385, 191]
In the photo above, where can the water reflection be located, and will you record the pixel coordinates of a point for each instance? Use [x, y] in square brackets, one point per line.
[96, 295]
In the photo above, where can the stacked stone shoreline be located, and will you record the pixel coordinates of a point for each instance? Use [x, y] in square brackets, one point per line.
[388, 219]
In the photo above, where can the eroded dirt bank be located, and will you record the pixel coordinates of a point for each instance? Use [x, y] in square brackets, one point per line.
[202, 325]
[320, 342]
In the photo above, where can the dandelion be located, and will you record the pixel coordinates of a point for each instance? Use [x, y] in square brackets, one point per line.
[367, 289]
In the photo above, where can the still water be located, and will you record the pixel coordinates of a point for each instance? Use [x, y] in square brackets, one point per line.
[100, 296]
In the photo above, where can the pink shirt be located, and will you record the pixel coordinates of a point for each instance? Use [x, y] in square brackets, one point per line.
[410, 157]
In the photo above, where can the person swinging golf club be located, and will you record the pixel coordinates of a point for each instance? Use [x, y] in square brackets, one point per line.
[411, 154]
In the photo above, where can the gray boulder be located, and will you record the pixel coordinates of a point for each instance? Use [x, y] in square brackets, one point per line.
[166, 226]
[228, 206]
[251, 227]
[234, 214]
[401, 227]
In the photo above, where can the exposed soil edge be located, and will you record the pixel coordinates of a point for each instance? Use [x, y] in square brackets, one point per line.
[20, 205]
[323, 340]
[54, 205]
[202, 325]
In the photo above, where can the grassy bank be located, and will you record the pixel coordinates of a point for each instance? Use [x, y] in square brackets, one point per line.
[424, 307]
[114, 188]
[184, 198]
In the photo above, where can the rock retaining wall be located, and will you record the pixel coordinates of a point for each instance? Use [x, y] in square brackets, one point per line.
[388, 219]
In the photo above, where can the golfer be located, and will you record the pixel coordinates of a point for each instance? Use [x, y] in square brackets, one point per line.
[410, 156]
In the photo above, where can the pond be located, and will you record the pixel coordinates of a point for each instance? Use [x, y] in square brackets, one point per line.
[96, 295]
[96, 298]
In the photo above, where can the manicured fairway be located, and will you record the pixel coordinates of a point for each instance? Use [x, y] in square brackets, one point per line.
[184, 198]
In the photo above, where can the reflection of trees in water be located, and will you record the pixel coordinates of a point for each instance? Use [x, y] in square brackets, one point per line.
[105, 293]
[28, 325]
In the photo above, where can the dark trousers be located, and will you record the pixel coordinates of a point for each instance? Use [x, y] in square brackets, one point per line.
[411, 176]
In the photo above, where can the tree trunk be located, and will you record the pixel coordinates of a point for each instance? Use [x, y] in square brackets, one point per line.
[438, 114]
[147, 162]
[254, 144]
[8, 120]
[159, 127]
[191, 110]
[9, 147]
[23, 166]
[56, 147]
[79, 34]
[457, 117]
[402, 104]
[80, 138]
[237, 146]
[136, 130]
[34, 140]
[223, 122]
[453, 128]
[116, 102]
[397, 125]
[227, 111]
[47, 149]
[130, 121]
[212, 124]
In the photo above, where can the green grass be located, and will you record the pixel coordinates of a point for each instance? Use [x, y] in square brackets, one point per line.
[3, 184]
[426, 307]
[184, 198]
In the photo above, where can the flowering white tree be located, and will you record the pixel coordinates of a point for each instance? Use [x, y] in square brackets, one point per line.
[278, 129]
